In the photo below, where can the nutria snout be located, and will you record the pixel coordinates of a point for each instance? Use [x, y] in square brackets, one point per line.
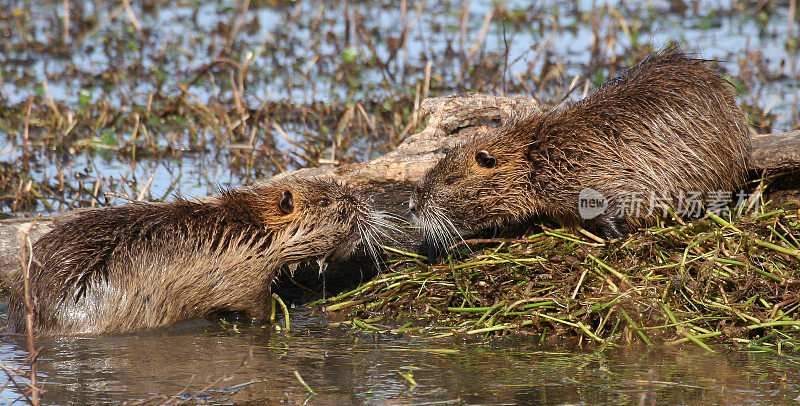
[145, 265]
[666, 127]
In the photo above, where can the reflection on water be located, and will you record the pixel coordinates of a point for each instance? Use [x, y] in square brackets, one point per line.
[255, 363]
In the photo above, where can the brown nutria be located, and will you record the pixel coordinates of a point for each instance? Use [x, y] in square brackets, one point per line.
[145, 265]
[665, 130]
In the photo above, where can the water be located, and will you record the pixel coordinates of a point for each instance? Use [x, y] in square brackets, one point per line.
[220, 364]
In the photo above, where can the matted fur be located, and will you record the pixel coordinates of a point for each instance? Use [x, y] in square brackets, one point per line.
[668, 125]
[144, 265]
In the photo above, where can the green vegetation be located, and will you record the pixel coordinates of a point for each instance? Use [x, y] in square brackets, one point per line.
[712, 280]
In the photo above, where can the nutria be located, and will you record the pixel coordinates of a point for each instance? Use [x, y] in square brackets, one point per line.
[145, 265]
[668, 125]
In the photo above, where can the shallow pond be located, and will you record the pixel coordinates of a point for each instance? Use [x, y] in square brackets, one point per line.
[214, 362]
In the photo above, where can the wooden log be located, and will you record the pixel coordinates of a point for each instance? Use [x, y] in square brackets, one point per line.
[390, 178]
[779, 151]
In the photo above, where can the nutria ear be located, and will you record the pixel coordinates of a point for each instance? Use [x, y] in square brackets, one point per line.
[485, 160]
[287, 202]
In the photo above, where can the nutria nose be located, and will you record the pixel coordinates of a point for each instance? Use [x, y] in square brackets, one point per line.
[412, 202]
[412, 205]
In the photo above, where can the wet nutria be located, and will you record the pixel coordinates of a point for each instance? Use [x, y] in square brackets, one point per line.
[145, 265]
[665, 132]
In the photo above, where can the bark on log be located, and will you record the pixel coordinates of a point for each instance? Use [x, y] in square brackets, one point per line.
[390, 178]
[776, 151]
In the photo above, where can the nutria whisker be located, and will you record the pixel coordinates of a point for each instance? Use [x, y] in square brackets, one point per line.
[438, 228]
[369, 231]
[431, 228]
[391, 216]
[450, 229]
[384, 225]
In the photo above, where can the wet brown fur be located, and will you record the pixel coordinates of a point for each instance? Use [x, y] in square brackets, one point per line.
[145, 265]
[667, 125]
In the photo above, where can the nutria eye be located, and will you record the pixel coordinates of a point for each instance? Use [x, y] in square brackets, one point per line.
[287, 202]
[485, 160]
[450, 180]
[323, 202]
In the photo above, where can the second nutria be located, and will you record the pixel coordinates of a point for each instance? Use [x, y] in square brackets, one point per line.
[665, 130]
[145, 265]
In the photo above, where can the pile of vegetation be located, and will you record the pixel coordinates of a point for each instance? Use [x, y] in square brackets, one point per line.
[712, 280]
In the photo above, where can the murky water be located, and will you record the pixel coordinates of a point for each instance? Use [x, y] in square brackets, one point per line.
[218, 363]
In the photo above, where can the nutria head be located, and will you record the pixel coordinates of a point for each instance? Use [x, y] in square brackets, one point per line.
[316, 219]
[479, 183]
